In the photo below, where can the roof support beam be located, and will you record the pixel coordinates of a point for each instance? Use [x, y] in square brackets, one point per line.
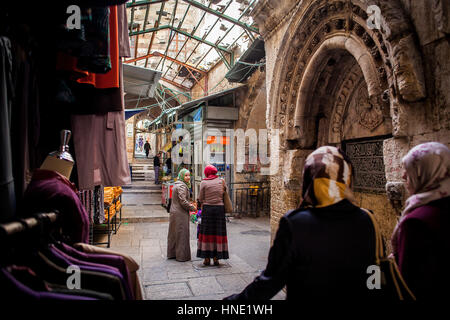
[158, 54]
[143, 2]
[156, 25]
[221, 15]
[176, 84]
[187, 34]
[170, 36]
[204, 37]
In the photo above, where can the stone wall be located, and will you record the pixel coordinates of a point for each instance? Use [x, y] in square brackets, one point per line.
[398, 89]
[129, 133]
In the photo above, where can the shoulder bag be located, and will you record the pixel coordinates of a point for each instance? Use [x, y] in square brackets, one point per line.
[226, 200]
[393, 285]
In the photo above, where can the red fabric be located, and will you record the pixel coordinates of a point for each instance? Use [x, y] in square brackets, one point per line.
[111, 78]
[205, 238]
[210, 172]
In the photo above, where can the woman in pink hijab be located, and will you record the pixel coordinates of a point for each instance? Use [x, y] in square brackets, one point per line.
[212, 237]
[421, 243]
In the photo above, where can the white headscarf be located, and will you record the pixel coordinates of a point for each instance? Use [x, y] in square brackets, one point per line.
[428, 169]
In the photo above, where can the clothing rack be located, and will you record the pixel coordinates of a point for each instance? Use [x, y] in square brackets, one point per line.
[112, 223]
[16, 227]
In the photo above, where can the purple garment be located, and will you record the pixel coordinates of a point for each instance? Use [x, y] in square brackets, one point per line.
[106, 259]
[15, 289]
[423, 249]
[49, 191]
[88, 266]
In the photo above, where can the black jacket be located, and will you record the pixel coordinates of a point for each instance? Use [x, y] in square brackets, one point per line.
[318, 253]
[156, 161]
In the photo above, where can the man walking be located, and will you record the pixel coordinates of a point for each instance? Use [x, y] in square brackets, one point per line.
[147, 148]
[156, 165]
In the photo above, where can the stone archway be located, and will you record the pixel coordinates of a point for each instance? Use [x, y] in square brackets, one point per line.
[139, 131]
[338, 80]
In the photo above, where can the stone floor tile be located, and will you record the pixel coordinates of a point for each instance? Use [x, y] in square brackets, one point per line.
[205, 286]
[177, 290]
[231, 282]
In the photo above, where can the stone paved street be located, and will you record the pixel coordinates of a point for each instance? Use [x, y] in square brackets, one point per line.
[146, 242]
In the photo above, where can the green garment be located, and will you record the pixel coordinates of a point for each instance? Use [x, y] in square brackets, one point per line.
[181, 175]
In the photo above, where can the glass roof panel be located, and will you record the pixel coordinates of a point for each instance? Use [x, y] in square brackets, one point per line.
[182, 38]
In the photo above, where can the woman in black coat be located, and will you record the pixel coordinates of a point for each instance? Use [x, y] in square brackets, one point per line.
[323, 249]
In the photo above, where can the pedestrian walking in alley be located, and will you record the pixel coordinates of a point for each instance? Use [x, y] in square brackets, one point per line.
[420, 240]
[169, 164]
[178, 245]
[147, 148]
[156, 166]
[321, 250]
[212, 235]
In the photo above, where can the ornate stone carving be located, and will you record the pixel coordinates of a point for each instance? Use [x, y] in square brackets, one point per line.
[408, 69]
[441, 9]
[399, 117]
[368, 162]
[369, 110]
[396, 193]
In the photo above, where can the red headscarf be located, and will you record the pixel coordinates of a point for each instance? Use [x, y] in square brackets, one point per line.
[210, 172]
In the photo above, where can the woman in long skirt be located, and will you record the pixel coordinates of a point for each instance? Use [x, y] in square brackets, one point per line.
[212, 237]
[178, 245]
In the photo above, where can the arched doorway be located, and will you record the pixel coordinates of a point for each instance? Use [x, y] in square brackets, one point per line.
[142, 135]
[341, 83]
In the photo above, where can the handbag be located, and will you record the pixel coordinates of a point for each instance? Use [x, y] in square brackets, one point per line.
[393, 285]
[226, 200]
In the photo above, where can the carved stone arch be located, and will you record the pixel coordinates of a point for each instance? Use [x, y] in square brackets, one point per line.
[388, 57]
[302, 126]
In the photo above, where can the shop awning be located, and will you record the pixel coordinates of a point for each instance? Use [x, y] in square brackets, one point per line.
[131, 112]
[248, 62]
[191, 105]
[140, 81]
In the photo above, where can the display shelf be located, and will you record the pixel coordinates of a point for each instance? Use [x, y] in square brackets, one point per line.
[112, 223]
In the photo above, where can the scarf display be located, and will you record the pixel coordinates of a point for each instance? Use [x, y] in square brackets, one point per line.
[327, 178]
[210, 172]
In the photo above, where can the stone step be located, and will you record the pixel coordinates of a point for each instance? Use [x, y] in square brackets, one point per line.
[133, 191]
[144, 219]
[149, 186]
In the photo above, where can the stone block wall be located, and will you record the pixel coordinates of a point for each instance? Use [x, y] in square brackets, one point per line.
[418, 73]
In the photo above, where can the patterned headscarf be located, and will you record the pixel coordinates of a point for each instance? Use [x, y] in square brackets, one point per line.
[181, 175]
[428, 169]
[210, 172]
[327, 178]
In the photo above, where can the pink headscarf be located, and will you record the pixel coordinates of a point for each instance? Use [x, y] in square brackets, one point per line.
[428, 168]
[210, 172]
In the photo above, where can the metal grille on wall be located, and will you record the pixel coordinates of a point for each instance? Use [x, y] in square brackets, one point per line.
[368, 163]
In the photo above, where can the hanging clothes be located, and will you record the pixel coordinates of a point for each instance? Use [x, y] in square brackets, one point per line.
[100, 150]
[124, 38]
[109, 79]
[49, 190]
[132, 265]
[7, 193]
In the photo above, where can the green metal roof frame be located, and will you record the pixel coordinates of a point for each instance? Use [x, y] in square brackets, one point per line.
[221, 50]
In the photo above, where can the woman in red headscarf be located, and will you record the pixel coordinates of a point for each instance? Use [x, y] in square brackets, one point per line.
[212, 237]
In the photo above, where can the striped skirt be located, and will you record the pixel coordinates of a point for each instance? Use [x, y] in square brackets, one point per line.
[212, 234]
